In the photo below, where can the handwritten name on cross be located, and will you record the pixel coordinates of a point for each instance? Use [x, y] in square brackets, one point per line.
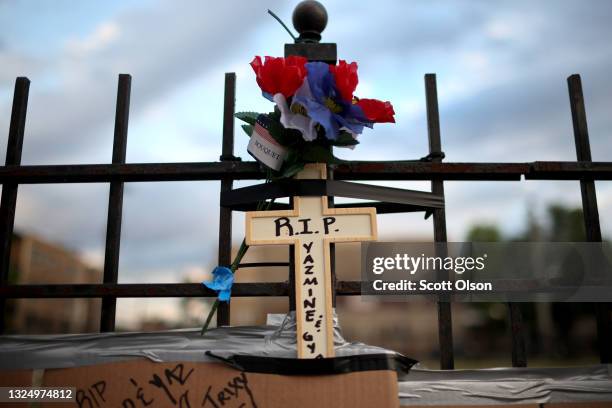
[311, 226]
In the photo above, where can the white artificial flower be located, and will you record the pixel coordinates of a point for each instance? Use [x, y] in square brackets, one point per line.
[296, 121]
[355, 136]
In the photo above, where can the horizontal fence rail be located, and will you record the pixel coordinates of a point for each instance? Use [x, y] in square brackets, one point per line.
[252, 289]
[134, 290]
[238, 170]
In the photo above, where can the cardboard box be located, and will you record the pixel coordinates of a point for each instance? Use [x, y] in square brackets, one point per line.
[139, 383]
[16, 378]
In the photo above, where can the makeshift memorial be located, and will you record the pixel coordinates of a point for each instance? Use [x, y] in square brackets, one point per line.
[315, 110]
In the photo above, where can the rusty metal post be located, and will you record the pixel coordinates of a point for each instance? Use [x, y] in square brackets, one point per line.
[9, 190]
[115, 203]
[589, 207]
[225, 213]
[445, 320]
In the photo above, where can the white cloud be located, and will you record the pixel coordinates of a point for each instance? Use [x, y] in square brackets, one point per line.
[475, 60]
[102, 36]
[408, 109]
[500, 29]
[14, 62]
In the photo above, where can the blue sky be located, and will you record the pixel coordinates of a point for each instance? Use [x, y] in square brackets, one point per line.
[501, 66]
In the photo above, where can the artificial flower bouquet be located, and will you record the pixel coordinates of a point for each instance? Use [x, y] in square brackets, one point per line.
[315, 110]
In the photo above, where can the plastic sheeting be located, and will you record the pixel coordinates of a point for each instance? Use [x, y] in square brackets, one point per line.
[277, 339]
[506, 386]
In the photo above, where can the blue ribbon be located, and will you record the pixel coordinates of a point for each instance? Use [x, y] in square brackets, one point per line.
[223, 279]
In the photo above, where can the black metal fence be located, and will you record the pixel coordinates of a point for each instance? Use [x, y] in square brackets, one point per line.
[231, 168]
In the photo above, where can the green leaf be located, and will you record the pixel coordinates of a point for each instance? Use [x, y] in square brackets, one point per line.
[285, 137]
[345, 139]
[291, 170]
[276, 115]
[248, 129]
[292, 156]
[315, 153]
[248, 117]
[277, 131]
[292, 165]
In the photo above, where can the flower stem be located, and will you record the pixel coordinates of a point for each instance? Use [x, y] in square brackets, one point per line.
[213, 309]
[261, 205]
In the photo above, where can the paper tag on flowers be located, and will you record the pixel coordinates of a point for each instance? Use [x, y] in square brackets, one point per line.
[264, 148]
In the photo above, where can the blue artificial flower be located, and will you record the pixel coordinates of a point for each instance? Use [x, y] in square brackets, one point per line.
[320, 98]
[223, 279]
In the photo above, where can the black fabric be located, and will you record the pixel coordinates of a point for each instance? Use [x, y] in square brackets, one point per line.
[289, 188]
[320, 366]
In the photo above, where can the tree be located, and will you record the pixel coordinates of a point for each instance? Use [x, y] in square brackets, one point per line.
[484, 233]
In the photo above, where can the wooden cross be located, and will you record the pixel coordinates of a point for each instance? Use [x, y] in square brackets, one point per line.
[311, 226]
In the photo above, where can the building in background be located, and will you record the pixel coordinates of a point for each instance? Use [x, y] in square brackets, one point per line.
[34, 261]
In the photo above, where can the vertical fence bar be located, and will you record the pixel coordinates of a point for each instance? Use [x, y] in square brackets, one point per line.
[589, 206]
[225, 214]
[445, 323]
[115, 203]
[9, 190]
[519, 351]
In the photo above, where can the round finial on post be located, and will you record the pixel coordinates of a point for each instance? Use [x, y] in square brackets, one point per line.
[309, 19]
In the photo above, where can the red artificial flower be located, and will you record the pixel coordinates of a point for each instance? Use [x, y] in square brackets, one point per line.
[377, 111]
[279, 75]
[346, 78]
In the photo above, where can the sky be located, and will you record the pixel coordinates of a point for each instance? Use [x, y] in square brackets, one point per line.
[501, 68]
